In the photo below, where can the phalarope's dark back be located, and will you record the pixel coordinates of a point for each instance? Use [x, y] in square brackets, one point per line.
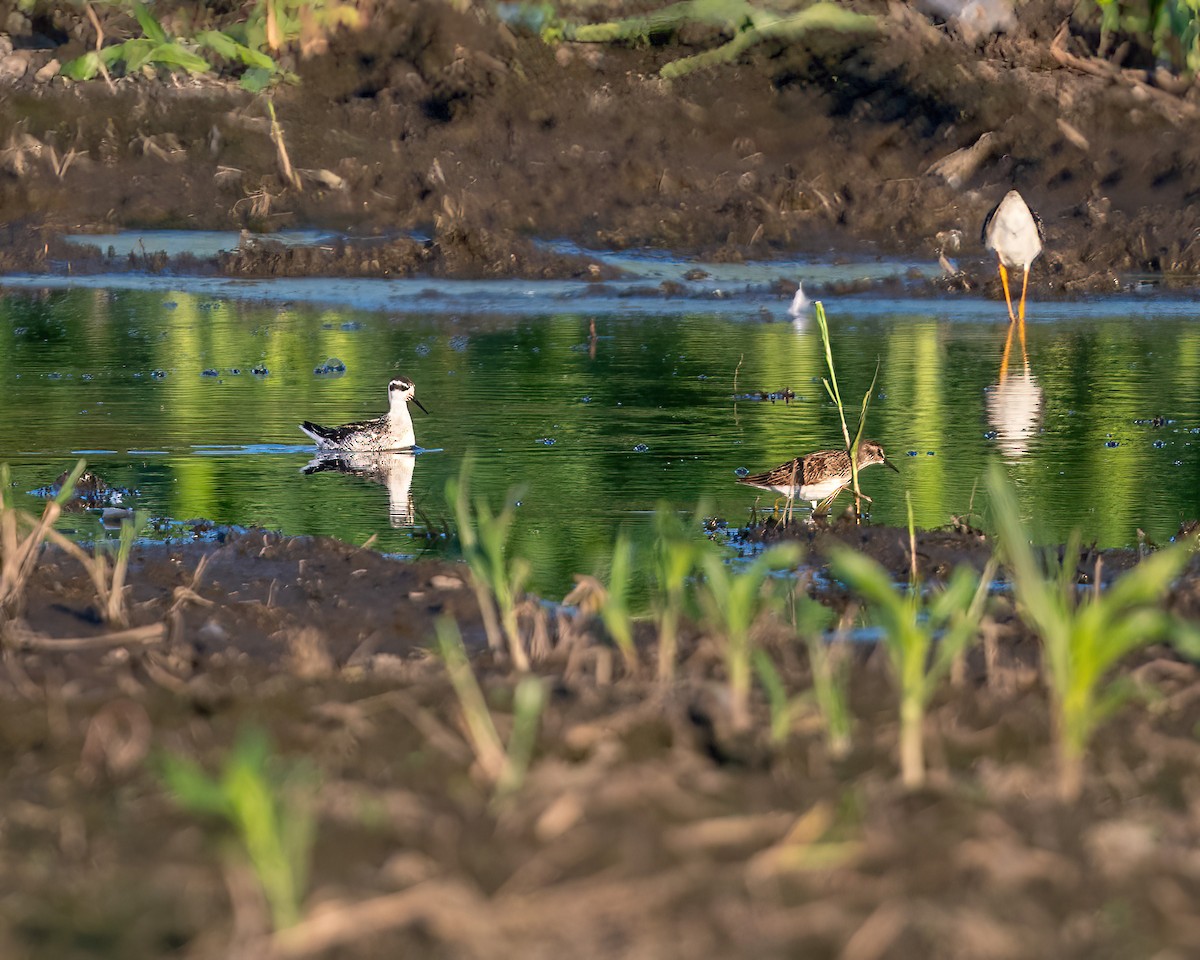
[392, 431]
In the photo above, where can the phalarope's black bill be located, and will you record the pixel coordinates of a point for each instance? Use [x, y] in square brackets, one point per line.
[392, 431]
[817, 477]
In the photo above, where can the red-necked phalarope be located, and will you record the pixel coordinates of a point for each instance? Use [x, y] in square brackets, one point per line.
[1015, 233]
[392, 431]
[817, 477]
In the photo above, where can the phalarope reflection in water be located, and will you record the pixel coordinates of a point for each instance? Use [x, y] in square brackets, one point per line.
[818, 477]
[394, 470]
[392, 431]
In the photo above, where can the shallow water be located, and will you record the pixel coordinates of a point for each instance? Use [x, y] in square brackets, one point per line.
[594, 431]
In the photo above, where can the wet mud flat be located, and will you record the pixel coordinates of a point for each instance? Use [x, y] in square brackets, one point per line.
[447, 120]
[647, 826]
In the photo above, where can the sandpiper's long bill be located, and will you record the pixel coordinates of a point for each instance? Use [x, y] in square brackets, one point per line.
[392, 431]
[817, 477]
[1015, 233]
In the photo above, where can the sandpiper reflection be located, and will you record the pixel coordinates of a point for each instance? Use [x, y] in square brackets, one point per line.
[392, 470]
[1014, 405]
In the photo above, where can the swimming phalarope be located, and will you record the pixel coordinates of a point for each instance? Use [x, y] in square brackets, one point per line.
[392, 431]
[817, 477]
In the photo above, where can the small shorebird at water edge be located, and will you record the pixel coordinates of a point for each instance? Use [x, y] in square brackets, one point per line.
[818, 477]
[392, 431]
[1015, 233]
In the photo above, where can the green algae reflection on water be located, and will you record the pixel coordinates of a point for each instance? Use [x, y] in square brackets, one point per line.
[1094, 423]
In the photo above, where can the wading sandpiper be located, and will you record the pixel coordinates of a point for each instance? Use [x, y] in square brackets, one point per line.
[817, 477]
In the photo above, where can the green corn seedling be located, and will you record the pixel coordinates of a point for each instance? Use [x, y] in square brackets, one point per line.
[1083, 634]
[911, 624]
[734, 600]
[783, 709]
[676, 557]
[498, 581]
[270, 807]
[504, 767]
[614, 608]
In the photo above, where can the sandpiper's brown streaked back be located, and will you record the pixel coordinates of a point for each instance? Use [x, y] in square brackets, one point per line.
[392, 431]
[1015, 233]
[817, 477]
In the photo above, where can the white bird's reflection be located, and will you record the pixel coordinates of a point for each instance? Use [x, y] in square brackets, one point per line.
[1014, 405]
[391, 469]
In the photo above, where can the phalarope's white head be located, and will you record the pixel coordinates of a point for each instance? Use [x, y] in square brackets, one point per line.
[392, 431]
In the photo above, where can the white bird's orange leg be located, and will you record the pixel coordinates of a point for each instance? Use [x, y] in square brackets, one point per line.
[1024, 287]
[1007, 297]
[1007, 351]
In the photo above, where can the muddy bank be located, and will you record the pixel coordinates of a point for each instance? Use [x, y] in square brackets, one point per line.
[438, 120]
[646, 822]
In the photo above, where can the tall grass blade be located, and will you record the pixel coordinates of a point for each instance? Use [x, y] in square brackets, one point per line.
[498, 582]
[481, 731]
[614, 610]
[504, 768]
[676, 557]
[529, 700]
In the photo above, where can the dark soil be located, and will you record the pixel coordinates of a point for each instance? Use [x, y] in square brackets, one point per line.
[442, 121]
[648, 826]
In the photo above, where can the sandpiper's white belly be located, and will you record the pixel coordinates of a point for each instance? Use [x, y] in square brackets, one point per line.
[816, 491]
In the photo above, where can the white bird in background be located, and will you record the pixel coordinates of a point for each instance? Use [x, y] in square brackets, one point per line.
[1015, 233]
[800, 303]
